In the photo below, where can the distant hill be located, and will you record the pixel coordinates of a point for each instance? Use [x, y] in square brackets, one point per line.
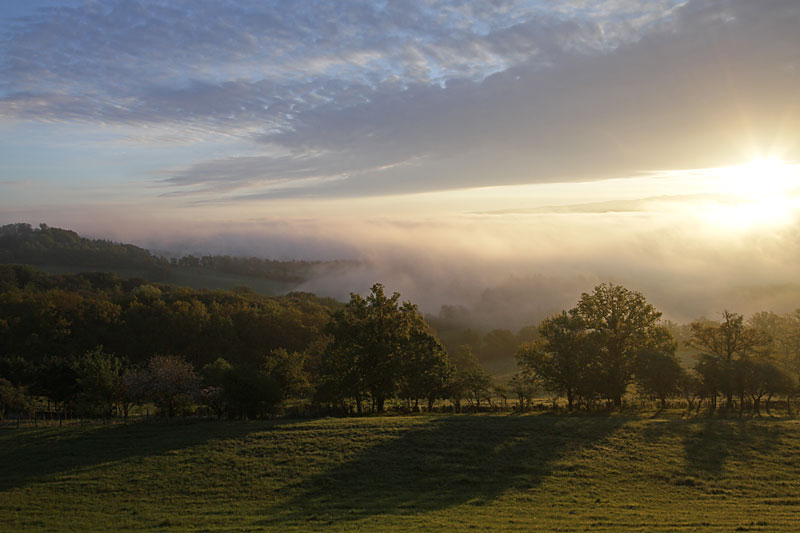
[46, 246]
[60, 250]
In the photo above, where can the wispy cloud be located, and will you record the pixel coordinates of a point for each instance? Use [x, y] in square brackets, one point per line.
[507, 92]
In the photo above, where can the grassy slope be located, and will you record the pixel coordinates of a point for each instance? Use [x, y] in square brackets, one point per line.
[406, 473]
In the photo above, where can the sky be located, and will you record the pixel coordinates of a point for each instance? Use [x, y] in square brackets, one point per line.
[470, 153]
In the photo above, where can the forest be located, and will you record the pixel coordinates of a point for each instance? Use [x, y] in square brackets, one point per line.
[94, 345]
[49, 246]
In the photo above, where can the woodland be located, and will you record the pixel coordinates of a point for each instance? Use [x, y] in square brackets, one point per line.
[94, 345]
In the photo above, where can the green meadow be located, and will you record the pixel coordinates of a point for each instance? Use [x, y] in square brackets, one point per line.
[432, 473]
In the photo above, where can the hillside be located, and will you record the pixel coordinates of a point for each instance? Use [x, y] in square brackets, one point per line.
[63, 251]
[454, 473]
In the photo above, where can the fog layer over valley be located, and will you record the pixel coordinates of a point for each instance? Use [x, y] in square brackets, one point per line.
[511, 270]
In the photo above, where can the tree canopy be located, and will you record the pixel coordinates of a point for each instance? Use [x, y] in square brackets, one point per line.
[379, 347]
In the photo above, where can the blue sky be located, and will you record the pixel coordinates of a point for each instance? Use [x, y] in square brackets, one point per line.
[153, 119]
[236, 101]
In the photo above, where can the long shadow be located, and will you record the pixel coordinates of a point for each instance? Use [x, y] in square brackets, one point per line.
[710, 442]
[28, 455]
[716, 441]
[445, 462]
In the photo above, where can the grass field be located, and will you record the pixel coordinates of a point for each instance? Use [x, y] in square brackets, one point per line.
[431, 473]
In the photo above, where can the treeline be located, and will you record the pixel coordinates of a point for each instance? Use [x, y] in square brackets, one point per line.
[613, 342]
[95, 345]
[24, 244]
[287, 271]
[49, 322]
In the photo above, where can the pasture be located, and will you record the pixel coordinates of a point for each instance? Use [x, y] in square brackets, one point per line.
[401, 473]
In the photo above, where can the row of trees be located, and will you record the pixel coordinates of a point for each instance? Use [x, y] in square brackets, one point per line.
[241, 354]
[101, 385]
[614, 339]
[22, 243]
[67, 315]
[44, 245]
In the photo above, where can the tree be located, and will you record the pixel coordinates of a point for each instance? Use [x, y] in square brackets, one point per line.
[761, 378]
[658, 372]
[721, 347]
[133, 389]
[57, 379]
[289, 370]
[171, 382]
[424, 370]
[14, 400]
[464, 363]
[212, 393]
[99, 374]
[250, 393]
[524, 386]
[620, 326]
[478, 383]
[370, 338]
[497, 344]
[560, 357]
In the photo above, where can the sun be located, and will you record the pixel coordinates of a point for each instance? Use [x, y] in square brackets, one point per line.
[762, 177]
[760, 193]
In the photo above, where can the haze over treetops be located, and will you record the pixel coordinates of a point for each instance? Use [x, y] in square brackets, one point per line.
[532, 148]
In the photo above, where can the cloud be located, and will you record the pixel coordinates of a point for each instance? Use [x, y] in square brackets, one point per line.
[712, 84]
[505, 92]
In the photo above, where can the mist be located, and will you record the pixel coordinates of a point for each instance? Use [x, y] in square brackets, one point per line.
[511, 270]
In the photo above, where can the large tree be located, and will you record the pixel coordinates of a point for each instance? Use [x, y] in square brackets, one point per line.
[724, 349]
[620, 327]
[560, 357]
[371, 340]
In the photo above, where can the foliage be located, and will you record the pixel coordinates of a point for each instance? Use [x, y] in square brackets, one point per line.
[620, 325]
[250, 394]
[171, 382]
[725, 353]
[57, 379]
[373, 341]
[14, 400]
[561, 358]
[99, 382]
[20, 243]
[523, 385]
[69, 315]
[659, 373]
[290, 371]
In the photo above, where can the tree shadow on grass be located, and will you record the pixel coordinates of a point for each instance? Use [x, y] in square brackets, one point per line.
[713, 442]
[445, 462]
[710, 443]
[29, 455]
